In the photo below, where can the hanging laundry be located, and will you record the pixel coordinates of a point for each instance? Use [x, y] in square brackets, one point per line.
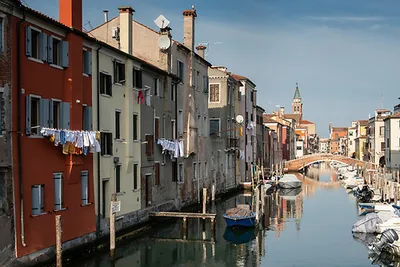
[74, 142]
[140, 96]
[174, 148]
[242, 154]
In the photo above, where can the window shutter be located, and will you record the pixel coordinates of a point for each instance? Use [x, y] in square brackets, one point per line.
[89, 62]
[64, 54]
[157, 173]
[133, 78]
[149, 139]
[28, 115]
[109, 85]
[102, 143]
[122, 73]
[115, 71]
[43, 46]
[57, 191]
[50, 49]
[28, 41]
[35, 200]
[65, 116]
[51, 113]
[84, 187]
[44, 113]
[89, 120]
[156, 127]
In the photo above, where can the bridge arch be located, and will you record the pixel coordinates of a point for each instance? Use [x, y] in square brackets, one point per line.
[300, 163]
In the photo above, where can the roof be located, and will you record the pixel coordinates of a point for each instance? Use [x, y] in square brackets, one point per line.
[242, 78]
[267, 118]
[297, 93]
[395, 115]
[260, 108]
[296, 117]
[363, 122]
[306, 122]
[339, 129]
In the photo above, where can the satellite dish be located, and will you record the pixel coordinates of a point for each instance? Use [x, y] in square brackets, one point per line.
[161, 22]
[164, 42]
[239, 118]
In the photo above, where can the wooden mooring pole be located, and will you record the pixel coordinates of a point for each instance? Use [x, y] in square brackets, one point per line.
[204, 200]
[58, 241]
[112, 228]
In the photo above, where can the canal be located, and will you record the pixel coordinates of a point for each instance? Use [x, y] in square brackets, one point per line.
[311, 227]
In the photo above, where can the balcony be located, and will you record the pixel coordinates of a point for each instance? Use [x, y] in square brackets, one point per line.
[232, 142]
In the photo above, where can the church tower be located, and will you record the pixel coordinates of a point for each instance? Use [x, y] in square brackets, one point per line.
[297, 104]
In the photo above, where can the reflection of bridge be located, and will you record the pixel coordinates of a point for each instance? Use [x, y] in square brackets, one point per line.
[298, 164]
[318, 184]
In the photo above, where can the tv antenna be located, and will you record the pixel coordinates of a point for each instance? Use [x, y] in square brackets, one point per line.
[161, 22]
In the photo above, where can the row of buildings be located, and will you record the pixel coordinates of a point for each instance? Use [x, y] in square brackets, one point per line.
[121, 112]
[375, 140]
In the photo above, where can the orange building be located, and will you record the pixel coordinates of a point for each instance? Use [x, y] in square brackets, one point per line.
[52, 88]
[337, 137]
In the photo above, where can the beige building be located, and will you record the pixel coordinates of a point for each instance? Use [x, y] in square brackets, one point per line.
[181, 60]
[223, 92]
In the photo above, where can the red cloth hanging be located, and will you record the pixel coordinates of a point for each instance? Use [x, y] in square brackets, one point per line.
[140, 96]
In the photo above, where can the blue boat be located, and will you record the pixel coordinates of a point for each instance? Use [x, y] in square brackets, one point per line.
[240, 221]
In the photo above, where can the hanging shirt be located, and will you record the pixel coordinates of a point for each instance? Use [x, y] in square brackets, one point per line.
[140, 96]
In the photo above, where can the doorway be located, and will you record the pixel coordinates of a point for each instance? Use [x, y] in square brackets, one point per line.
[106, 198]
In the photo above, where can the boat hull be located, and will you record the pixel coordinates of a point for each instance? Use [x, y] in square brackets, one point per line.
[248, 221]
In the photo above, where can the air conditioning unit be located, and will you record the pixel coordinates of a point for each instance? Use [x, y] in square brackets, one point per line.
[115, 33]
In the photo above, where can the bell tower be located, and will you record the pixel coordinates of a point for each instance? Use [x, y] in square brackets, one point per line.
[297, 103]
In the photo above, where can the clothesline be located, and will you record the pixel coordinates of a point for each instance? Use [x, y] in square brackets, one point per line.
[74, 142]
[174, 148]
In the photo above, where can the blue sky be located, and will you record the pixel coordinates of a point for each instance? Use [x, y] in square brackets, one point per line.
[344, 54]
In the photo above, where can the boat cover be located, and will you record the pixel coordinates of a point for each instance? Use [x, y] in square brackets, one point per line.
[367, 224]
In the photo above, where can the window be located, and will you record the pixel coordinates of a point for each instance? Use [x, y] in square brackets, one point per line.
[214, 127]
[35, 116]
[251, 96]
[135, 127]
[181, 70]
[174, 171]
[58, 191]
[156, 86]
[173, 129]
[181, 173]
[205, 84]
[173, 88]
[106, 144]
[1, 34]
[350, 133]
[119, 72]
[117, 178]
[199, 126]
[382, 146]
[239, 95]
[135, 176]
[85, 187]
[197, 79]
[195, 174]
[229, 95]
[1, 112]
[381, 130]
[35, 44]
[157, 173]
[199, 171]
[105, 84]
[205, 170]
[214, 92]
[156, 128]
[87, 118]
[180, 122]
[38, 199]
[149, 145]
[147, 97]
[56, 53]
[351, 142]
[137, 78]
[117, 124]
[87, 62]
[55, 122]
[205, 125]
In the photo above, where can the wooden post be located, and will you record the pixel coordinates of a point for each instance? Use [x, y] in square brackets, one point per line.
[184, 228]
[252, 175]
[58, 240]
[257, 204]
[112, 228]
[204, 200]
[212, 226]
[262, 198]
[213, 192]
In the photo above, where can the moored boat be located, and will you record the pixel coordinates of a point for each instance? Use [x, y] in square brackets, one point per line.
[241, 216]
[289, 181]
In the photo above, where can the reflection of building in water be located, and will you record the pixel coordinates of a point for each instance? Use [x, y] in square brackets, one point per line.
[286, 205]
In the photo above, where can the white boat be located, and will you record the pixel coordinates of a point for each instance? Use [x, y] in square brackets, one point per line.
[289, 181]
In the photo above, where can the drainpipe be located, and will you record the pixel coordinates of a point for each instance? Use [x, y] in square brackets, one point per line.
[98, 154]
[19, 126]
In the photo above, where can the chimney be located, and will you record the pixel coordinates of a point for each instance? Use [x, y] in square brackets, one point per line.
[188, 27]
[282, 111]
[105, 15]
[165, 55]
[200, 50]
[70, 13]
[125, 28]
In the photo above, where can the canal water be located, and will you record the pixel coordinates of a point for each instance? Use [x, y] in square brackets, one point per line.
[310, 227]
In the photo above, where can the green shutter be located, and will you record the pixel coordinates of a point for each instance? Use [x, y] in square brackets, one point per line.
[64, 54]
[43, 46]
[50, 49]
[44, 113]
[28, 41]
[65, 115]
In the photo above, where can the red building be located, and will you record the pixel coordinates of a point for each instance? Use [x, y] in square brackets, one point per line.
[52, 88]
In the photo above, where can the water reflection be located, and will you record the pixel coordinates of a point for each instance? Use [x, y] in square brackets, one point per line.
[312, 227]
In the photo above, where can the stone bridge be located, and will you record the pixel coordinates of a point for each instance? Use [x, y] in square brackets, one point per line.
[298, 164]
